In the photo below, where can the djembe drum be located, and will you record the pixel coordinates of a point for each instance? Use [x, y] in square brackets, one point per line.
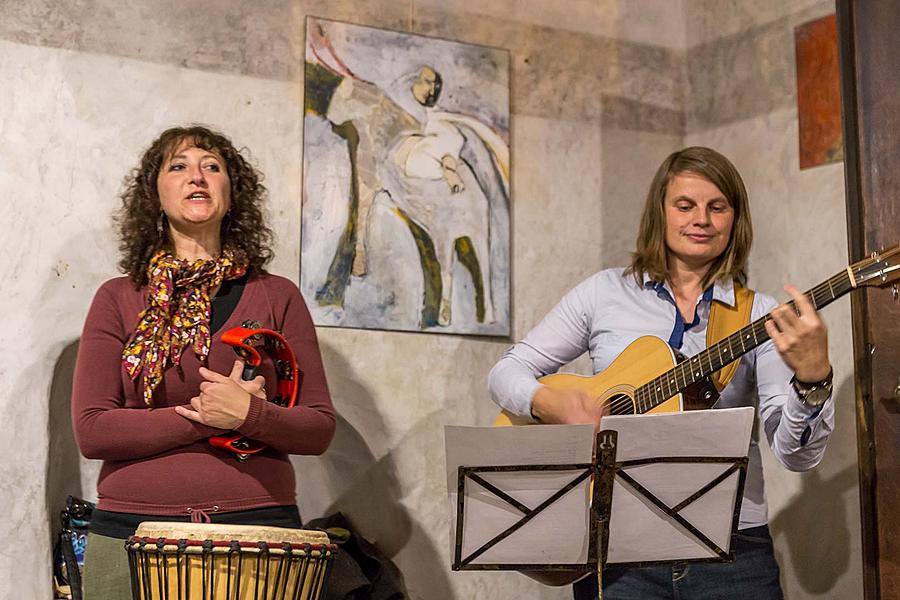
[203, 561]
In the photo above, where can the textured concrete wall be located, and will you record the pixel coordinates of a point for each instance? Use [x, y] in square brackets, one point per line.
[599, 94]
[742, 86]
[596, 101]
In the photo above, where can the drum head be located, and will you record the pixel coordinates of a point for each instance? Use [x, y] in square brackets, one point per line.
[223, 532]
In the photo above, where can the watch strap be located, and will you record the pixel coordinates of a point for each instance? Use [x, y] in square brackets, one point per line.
[806, 391]
[814, 384]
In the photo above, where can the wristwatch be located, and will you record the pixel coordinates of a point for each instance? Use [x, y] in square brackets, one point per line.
[813, 394]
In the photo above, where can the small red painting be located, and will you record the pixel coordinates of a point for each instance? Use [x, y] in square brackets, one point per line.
[818, 93]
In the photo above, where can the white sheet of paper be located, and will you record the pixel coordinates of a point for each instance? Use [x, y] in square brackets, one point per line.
[559, 534]
[639, 531]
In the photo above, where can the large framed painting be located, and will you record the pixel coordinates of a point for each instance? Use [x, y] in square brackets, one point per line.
[406, 182]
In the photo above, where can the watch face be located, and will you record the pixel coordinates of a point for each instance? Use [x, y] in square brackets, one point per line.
[816, 396]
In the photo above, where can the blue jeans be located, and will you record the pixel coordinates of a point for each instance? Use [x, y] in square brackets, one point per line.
[752, 576]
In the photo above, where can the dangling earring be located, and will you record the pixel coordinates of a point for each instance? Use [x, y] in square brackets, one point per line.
[161, 225]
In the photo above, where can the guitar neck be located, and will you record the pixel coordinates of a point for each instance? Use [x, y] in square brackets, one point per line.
[704, 364]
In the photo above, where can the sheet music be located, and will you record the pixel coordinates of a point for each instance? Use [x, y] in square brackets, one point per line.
[558, 534]
[642, 532]
[639, 530]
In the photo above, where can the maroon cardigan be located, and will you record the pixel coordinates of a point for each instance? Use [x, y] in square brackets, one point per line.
[158, 462]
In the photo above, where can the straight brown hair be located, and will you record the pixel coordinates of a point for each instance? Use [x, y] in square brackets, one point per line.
[651, 256]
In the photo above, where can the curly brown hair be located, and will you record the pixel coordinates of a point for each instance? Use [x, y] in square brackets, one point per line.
[137, 219]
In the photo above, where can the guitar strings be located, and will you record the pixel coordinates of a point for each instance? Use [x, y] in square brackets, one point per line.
[628, 405]
[621, 406]
[834, 287]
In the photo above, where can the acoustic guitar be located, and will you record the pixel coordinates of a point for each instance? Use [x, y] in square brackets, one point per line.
[647, 377]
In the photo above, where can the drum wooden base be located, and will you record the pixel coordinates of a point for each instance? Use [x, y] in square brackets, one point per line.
[198, 561]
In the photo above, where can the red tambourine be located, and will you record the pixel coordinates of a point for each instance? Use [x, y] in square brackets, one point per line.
[245, 340]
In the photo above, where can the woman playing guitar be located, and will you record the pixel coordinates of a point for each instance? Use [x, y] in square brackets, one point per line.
[692, 248]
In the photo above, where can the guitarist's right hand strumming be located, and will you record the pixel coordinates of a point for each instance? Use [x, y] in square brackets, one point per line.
[569, 407]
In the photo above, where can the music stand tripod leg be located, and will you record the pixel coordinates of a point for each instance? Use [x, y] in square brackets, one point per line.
[601, 502]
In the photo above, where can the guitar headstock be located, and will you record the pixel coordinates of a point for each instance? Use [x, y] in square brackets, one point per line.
[879, 270]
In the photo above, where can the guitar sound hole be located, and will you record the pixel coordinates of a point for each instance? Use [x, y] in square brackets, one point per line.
[620, 404]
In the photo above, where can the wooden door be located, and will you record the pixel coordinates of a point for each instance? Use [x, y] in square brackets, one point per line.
[870, 85]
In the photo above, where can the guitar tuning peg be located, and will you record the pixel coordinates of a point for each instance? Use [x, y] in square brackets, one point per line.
[895, 292]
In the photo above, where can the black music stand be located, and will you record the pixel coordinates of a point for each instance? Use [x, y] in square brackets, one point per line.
[620, 491]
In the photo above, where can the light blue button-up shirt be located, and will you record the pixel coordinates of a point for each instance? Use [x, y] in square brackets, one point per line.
[610, 310]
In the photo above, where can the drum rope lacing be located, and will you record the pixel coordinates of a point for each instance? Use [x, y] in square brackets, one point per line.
[167, 564]
[208, 545]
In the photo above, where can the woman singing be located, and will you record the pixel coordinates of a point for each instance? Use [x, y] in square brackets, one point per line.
[153, 382]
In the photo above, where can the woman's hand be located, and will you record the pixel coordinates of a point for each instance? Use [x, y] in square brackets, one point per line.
[223, 401]
[802, 340]
[551, 405]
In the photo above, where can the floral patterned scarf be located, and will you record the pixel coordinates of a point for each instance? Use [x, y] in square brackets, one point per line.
[177, 313]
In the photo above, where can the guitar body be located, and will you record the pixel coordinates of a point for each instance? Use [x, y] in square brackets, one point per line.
[644, 359]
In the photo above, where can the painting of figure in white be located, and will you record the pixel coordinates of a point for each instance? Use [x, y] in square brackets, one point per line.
[405, 220]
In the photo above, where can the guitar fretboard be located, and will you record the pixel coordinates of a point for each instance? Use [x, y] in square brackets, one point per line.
[655, 392]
